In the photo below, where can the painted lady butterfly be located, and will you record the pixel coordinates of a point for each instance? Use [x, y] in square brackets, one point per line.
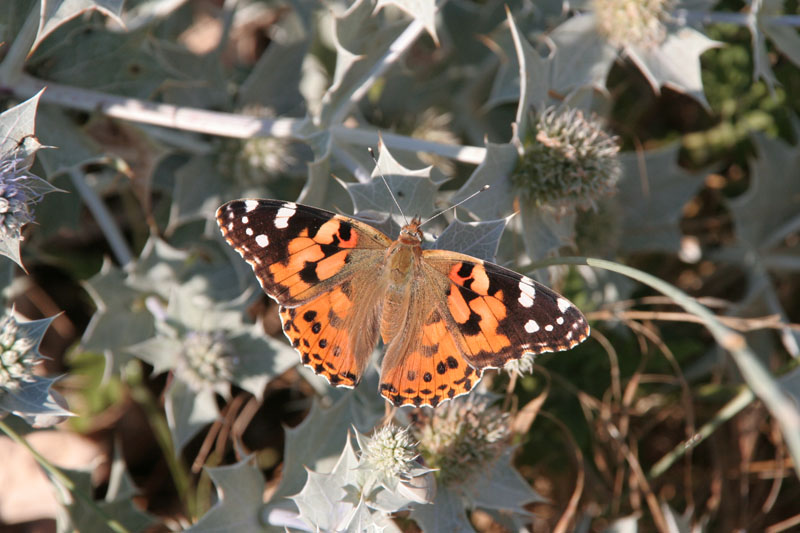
[443, 316]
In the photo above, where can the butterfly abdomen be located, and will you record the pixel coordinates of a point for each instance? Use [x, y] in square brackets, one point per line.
[400, 266]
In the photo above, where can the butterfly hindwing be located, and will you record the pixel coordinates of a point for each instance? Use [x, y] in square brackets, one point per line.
[500, 315]
[321, 330]
[432, 371]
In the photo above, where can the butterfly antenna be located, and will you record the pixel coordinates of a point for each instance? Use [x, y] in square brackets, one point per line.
[468, 198]
[380, 173]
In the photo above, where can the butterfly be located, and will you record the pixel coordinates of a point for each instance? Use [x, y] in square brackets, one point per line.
[443, 316]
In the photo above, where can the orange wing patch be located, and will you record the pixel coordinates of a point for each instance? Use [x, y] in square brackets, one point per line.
[477, 312]
[316, 331]
[433, 372]
[498, 315]
[311, 260]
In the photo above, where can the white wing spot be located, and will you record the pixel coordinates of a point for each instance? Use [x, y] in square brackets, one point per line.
[290, 205]
[548, 327]
[563, 305]
[230, 226]
[245, 220]
[262, 240]
[283, 216]
[531, 326]
[249, 232]
[527, 293]
[560, 320]
[249, 205]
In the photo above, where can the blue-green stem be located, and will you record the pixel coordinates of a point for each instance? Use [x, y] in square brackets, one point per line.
[223, 124]
[103, 217]
[158, 423]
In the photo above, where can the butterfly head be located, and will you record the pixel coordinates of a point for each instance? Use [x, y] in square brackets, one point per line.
[410, 233]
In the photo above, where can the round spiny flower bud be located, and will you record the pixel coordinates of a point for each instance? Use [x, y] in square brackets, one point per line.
[461, 438]
[390, 451]
[16, 198]
[258, 160]
[205, 360]
[17, 355]
[568, 159]
[632, 22]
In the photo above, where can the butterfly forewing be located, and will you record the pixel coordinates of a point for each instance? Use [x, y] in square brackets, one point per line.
[323, 270]
[297, 251]
[499, 315]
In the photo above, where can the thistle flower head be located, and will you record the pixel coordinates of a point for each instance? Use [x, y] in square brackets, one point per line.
[632, 22]
[17, 355]
[257, 160]
[17, 197]
[204, 360]
[568, 159]
[390, 451]
[523, 365]
[462, 437]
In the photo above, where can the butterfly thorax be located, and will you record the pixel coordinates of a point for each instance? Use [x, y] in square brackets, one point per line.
[402, 265]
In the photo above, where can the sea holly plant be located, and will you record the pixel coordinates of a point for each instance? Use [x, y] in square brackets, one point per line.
[162, 111]
[559, 160]
[456, 459]
[20, 190]
[120, 295]
[467, 444]
[122, 318]
[207, 348]
[413, 190]
[360, 492]
[651, 33]
[565, 163]
[568, 163]
[239, 505]
[22, 392]
[768, 27]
